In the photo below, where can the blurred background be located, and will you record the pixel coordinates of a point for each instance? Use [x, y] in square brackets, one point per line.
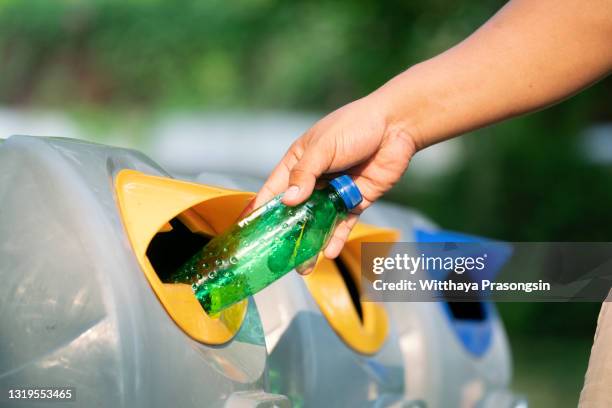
[226, 86]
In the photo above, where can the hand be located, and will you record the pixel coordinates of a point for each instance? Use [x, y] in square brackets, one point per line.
[356, 139]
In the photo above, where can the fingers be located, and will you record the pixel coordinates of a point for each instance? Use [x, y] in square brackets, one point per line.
[303, 176]
[247, 210]
[278, 180]
[265, 194]
[305, 270]
[341, 234]
[308, 266]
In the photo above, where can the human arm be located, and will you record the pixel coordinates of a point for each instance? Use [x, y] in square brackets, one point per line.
[531, 54]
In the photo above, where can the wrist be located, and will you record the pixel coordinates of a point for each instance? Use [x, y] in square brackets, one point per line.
[403, 108]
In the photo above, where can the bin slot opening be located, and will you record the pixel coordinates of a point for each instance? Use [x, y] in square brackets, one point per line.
[467, 311]
[351, 286]
[169, 250]
[473, 311]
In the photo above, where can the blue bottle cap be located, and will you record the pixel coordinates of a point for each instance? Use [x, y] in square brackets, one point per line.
[347, 190]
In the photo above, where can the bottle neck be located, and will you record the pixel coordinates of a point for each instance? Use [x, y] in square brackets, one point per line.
[336, 200]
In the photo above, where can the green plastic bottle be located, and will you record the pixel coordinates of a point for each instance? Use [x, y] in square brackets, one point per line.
[261, 248]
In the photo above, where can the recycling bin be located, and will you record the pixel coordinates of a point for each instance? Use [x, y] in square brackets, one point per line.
[78, 309]
[89, 232]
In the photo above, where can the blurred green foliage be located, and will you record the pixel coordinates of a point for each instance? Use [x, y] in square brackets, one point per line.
[528, 179]
[523, 180]
[256, 53]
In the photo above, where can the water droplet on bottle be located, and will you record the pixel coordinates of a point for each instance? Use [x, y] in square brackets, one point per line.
[247, 243]
[205, 265]
[233, 260]
[225, 249]
[211, 275]
[268, 228]
[194, 286]
[198, 276]
[218, 261]
[285, 225]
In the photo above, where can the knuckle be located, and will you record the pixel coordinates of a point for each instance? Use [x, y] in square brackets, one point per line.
[302, 174]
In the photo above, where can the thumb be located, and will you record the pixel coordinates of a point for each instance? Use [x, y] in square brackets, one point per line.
[304, 174]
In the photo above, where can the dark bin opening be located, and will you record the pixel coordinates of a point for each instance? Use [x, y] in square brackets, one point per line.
[467, 310]
[351, 286]
[168, 251]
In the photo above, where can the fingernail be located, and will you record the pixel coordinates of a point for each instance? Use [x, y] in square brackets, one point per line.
[292, 193]
[247, 209]
[305, 271]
